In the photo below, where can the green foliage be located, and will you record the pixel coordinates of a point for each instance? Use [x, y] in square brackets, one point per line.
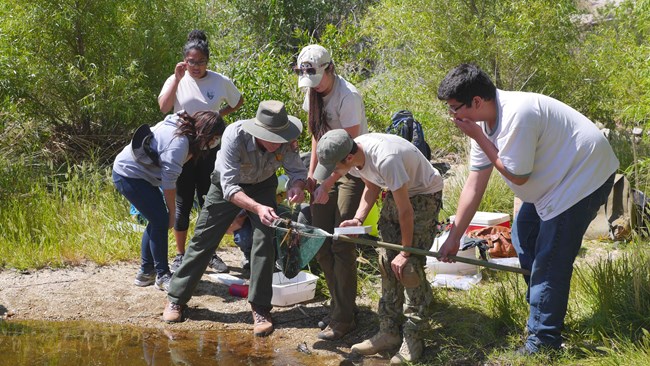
[618, 292]
[616, 52]
[64, 217]
[86, 68]
[523, 45]
[276, 21]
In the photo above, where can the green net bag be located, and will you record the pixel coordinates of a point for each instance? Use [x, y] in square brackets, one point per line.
[297, 244]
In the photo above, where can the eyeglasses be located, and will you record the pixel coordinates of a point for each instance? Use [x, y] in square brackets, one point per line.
[455, 109]
[308, 70]
[197, 63]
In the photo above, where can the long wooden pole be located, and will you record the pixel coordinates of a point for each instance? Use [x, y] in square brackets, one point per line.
[376, 243]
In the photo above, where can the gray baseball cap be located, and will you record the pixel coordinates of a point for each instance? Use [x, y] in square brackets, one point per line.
[333, 147]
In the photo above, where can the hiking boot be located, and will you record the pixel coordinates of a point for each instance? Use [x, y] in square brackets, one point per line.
[178, 260]
[144, 279]
[410, 351]
[173, 312]
[378, 343]
[162, 282]
[336, 330]
[262, 322]
[218, 265]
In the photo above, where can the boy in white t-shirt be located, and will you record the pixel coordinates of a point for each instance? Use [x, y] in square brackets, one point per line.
[408, 216]
[555, 160]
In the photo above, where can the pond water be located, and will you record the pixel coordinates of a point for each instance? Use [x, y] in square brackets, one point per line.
[87, 343]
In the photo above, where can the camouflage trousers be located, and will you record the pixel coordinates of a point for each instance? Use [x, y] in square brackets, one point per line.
[399, 306]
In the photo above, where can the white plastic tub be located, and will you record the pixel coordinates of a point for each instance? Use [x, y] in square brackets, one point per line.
[434, 267]
[287, 291]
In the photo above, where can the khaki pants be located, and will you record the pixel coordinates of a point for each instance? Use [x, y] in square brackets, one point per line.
[338, 259]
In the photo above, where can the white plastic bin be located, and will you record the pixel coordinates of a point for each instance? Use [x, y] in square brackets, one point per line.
[433, 266]
[287, 291]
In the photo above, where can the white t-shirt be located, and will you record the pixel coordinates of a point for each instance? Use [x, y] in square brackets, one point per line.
[563, 154]
[392, 162]
[205, 94]
[344, 106]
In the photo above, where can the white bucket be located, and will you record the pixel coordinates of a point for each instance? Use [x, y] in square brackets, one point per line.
[435, 267]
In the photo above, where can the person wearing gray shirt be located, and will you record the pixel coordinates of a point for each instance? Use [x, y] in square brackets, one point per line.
[244, 178]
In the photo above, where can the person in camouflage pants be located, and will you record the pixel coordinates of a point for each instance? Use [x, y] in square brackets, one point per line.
[396, 298]
[408, 217]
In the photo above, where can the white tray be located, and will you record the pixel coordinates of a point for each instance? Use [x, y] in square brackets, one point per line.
[352, 230]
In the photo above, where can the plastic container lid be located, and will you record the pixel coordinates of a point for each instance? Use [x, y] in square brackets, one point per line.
[486, 218]
[349, 230]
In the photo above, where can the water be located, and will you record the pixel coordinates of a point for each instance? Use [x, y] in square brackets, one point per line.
[87, 343]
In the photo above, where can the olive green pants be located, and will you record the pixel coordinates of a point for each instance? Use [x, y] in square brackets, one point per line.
[338, 259]
[215, 218]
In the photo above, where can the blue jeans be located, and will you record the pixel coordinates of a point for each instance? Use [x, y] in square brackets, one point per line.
[150, 202]
[548, 249]
[243, 237]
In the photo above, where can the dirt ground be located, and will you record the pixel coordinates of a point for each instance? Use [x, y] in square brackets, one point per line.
[107, 294]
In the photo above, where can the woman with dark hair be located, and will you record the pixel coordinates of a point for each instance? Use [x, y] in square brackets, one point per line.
[333, 103]
[194, 88]
[155, 160]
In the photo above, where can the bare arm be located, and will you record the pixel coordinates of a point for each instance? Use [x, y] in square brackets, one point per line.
[406, 219]
[470, 198]
[267, 214]
[170, 200]
[474, 131]
[167, 97]
[228, 109]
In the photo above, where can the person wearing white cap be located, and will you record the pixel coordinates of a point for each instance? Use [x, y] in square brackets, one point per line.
[244, 178]
[332, 103]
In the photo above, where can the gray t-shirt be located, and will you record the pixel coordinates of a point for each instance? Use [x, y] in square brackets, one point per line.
[172, 150]
[392, 162]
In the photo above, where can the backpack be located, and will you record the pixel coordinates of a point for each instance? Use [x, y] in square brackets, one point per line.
[404, 124]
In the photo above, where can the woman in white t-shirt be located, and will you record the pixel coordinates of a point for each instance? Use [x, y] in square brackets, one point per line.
[194, 88]
[333, 103]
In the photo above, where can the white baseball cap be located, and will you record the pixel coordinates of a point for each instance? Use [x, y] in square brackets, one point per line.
[311, 64]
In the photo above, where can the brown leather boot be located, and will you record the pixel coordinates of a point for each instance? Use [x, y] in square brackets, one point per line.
[173, 313]
[262, 322]
[336, 330]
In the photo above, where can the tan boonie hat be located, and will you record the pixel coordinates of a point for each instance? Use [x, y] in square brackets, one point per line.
[315, 57]
[333, 147]
[272, 124]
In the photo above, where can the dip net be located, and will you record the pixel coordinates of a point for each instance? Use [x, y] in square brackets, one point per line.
[297, 244]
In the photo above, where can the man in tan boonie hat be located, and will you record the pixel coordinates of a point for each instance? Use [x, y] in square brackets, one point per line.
[408, 217]
[244, 178]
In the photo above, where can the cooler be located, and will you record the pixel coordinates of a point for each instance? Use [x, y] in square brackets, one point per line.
[483, 219]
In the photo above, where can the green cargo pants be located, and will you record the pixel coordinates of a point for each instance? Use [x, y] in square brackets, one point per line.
[213, 221]
[338, 259]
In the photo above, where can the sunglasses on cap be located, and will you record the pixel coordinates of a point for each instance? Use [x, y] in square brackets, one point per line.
[308, 70]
